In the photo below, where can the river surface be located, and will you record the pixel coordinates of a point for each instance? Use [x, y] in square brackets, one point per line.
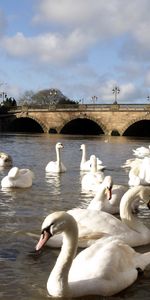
[22, 211]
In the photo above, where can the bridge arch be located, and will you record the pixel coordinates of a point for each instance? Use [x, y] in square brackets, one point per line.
[115, 132]
[84, 125]
[27, 123]
[138, 127]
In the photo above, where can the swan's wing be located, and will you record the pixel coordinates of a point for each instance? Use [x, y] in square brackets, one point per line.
[90, 221]
[105, 268]
[85, 166]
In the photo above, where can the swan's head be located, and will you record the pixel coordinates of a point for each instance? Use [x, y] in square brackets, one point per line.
[5, 159]
[59, 145]
[82, 147]
[145, 195]
[13, 172]
[108, 184]
[53, 224]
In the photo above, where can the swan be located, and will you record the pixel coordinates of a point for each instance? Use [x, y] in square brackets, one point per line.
[92, 179]
[140, 173]
[93, 224]
[85, 164]
[132, 162]
[20, 178]
[105, 268]
[141, 151]
[56, 166]
[5, 160]
[108, 197]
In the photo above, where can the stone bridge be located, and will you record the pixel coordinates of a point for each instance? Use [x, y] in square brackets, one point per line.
[106, 119]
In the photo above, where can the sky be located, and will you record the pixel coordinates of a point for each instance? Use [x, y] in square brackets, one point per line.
[84, 48]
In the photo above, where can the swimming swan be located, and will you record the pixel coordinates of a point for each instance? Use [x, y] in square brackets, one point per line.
[85, 164]
[91, 180]
[20, 178]
[5, 160]
[105, 268]
[108, 196]
[140, 173]
[56, 166]
[93, 224]
[142, 151]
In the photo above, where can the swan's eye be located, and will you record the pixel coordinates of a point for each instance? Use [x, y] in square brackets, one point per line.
[47, 229]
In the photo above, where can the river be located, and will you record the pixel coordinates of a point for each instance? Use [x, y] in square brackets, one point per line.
[22, 211]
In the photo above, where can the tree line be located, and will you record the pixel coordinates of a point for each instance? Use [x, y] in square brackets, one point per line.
[44, 97]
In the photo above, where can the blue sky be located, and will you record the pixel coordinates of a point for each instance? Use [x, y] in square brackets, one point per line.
[84, 48]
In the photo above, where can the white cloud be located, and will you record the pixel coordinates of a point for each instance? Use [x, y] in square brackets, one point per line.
[82, 26]
[99, 17]
[65, 34]
[47, 47]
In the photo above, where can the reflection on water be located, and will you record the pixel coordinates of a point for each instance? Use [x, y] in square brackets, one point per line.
[22, 210]
[53, 181]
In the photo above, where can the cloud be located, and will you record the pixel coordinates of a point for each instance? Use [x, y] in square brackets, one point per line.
[101, 18]
[46, 48]
[80, 27]
[82, 46]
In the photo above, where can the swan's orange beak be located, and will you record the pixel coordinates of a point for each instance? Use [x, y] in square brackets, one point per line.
[43, 239]
[109, 193]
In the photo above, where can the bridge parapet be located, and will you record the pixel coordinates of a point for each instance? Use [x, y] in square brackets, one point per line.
[82, 107]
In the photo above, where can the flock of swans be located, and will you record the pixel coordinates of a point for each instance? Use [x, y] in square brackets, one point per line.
[107, 263]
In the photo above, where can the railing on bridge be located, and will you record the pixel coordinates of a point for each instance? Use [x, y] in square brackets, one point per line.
[82, 107]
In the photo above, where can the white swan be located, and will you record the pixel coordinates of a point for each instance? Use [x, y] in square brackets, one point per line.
[141, 151]
[105, 268]
[91, 180]
[85, 165]
[5, 160]
[94, 224]
[56, 166]
[132, 162]
[20, 178]
[108, 197]
[140, 172]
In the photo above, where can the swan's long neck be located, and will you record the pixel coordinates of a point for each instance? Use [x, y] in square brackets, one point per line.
[93, 166]
[126, 214]
[58, 158]
[57, 284]
[145, 261]
[83, 159]
[99, 200]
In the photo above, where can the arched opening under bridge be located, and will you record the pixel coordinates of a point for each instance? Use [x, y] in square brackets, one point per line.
[140, 128]
[25, 125]
[82, 127]
[115, 132]
[52, 130]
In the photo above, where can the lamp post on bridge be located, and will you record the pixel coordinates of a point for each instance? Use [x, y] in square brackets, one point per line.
[53, 93]
[116, 91]
[94, 99]
[3, 94]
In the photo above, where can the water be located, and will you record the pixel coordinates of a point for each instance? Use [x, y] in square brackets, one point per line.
[22, 210]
